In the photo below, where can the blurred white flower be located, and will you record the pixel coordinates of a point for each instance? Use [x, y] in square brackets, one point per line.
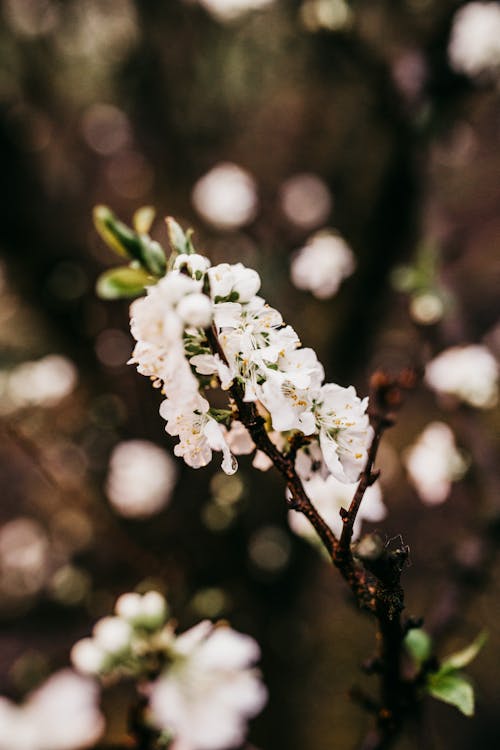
[433, 463]
[328, 496]
[60, 715]
[43, 382]
[24, 557]
[426, 308]
[227, 10]
[469, 373]
[474, 46]
[325, 14]
[305, 200]
[226, 196]
[211, 689]
[322, 264]
[141, 478]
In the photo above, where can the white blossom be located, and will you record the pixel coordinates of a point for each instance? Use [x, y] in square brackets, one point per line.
[62, 714]
[235, 281]
[195, 310]
[345, 433]
[322, 264]
[470, 373]
[210, 690]
[474, 46]
[198, 433]
[328, 496]
[433, 463]
[197, 265]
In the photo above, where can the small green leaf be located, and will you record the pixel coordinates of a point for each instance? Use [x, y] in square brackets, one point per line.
[143, 219]
[122, 283]
[460, 659]
[129, 244]
[418, 644]
[452, 688]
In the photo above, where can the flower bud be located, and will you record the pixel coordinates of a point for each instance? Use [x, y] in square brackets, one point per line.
[128, 607]
[196, 264]
[112, 634]
[247, 284]
[87, 656]
[154, 609]
[195, 310]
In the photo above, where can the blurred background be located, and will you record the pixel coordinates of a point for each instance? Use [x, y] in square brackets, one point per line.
[258, 123]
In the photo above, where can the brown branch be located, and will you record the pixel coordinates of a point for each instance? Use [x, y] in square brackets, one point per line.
[285, 463]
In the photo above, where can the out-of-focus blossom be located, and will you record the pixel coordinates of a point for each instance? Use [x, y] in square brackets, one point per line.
[322, 264]
[208, 687]
[433, 463]
[43, 382]
[226, 196]
[60, 715]
[206, 698]
[105, 128]
[147, 610]
[24, 557]
[328, 496]
[305, 200]
[325, 14]
[141, 478]
[474, 47]
[469, 373]
[227, 10]
[426, 309]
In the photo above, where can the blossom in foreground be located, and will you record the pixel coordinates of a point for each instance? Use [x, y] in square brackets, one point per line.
[206, 698]
[433, 463]
[328, 497]
[62, 714]
[202, 686]
[474, 47]
[322, 264]
[470, 373]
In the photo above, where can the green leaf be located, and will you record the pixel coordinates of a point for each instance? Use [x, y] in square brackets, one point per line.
[452, 688]
[129, 244]
[418, 644]
[122, 283]
[460, 659]
[143, 219]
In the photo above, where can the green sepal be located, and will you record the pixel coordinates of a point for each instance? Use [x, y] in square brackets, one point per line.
[222, 416]
[418, 643]
[123, 283]
[462, 658]
[452, 688]
[129, 244]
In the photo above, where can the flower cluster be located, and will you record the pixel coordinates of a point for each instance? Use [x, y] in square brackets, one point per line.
[201, 686]
[202, 327]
